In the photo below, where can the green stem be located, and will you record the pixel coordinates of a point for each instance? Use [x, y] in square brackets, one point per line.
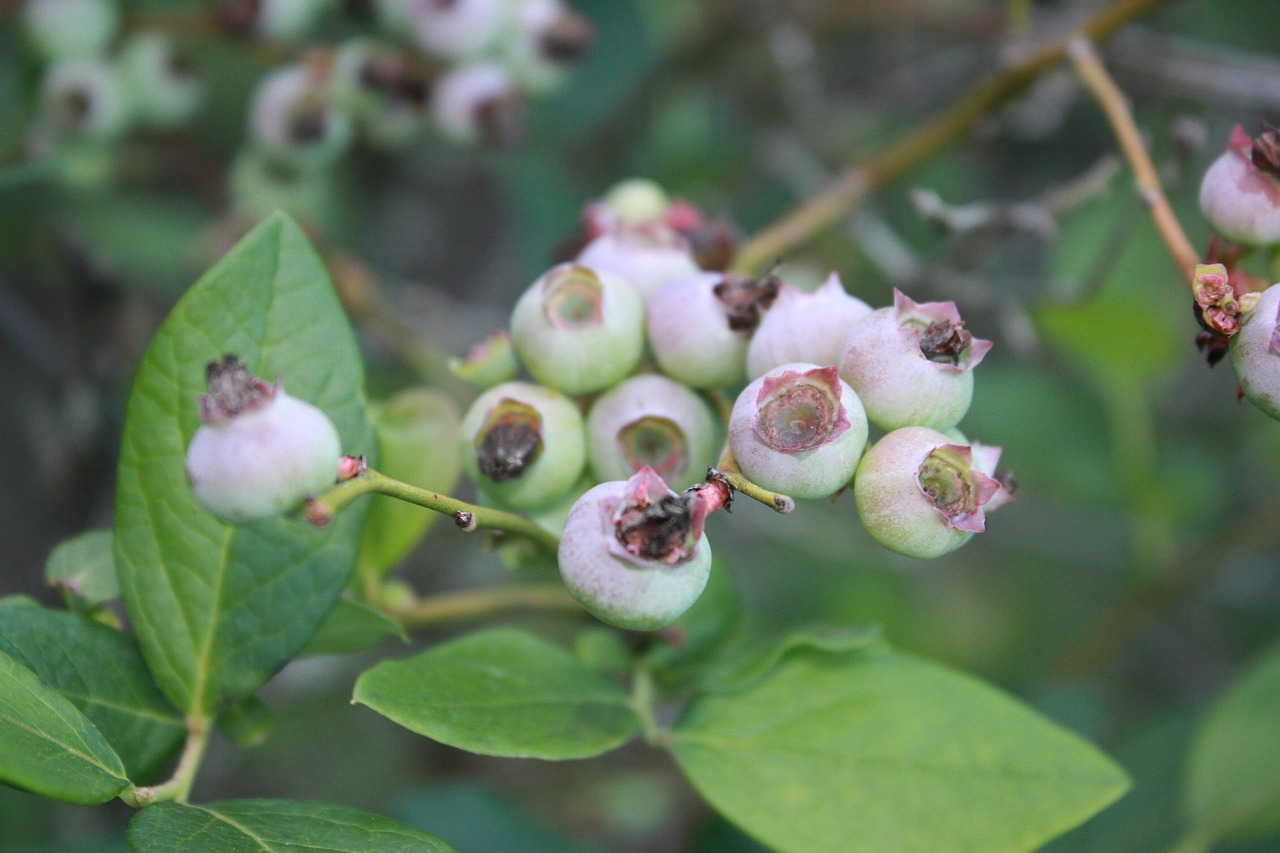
[477, 603]
[728, 466]
[642, 702]
[178, 787]
[322, 508]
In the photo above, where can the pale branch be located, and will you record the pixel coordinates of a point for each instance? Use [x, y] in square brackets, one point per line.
[851, 187]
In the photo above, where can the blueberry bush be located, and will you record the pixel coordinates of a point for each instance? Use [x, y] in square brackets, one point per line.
[499, 425]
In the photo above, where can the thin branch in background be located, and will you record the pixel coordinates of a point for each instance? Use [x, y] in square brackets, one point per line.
[1096, 79]
[851, 186]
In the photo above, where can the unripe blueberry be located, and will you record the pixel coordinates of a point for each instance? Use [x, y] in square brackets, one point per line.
[699, 327]
[1255, 352]
[634, 554]
[259, 452]
[479, 102]
[808, 327]
[648, 256]
[293, 120]
[546, 38]
[630, 202]
[490, 362]
[798, 430]
[83, 98]
[458, 29]
[523, 444]
[922, 496]
[651, 421]
[1240, 193]
[578, 330]
[70, 29]
[911, 364]
[162, 86]
[387, 91]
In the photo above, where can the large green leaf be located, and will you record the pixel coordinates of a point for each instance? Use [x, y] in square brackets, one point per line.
[102, 673]
[502, 692]
[851, 749]
[1233, 774]
[48, 746]
[273, 826]
[219, 609]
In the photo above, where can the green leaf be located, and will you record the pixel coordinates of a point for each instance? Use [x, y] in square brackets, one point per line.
[502, 692]
[417, 443]
[246, 723]
[48, 747]
[273, 826]
[352, 626]
[1233, 773]
[739, 667]
[864, 749]
[100, 671]
[84, 567]
[219, 609]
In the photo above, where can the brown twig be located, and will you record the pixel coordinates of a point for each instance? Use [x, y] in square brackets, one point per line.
[1108, 95]
[852, 185]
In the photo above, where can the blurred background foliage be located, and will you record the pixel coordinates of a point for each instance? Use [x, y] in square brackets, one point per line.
[1137, 575]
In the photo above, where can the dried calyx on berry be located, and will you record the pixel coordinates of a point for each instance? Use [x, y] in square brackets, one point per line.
[1217, 309]
[259, 452]
[699, 328]
[798, 430]
[923, 496]
[1240, 193]
[523, 444]
[912, 364]
[634, 553]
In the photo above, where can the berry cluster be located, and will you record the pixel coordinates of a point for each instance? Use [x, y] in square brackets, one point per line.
[633, 347]
[460, 69]
[96, 85]
[632, 342]
[1240, 196]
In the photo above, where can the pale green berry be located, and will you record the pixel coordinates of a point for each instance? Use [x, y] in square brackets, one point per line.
[578, 330]
[653, 421]
[922, 496]
[798, 430]
[1255, 353]
[523, 444]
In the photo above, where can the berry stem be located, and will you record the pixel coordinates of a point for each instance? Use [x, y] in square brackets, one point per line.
[1093, 74]
[728, 466]
[178, 787]
[853, 185]
[323, 507]
[451, 607]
